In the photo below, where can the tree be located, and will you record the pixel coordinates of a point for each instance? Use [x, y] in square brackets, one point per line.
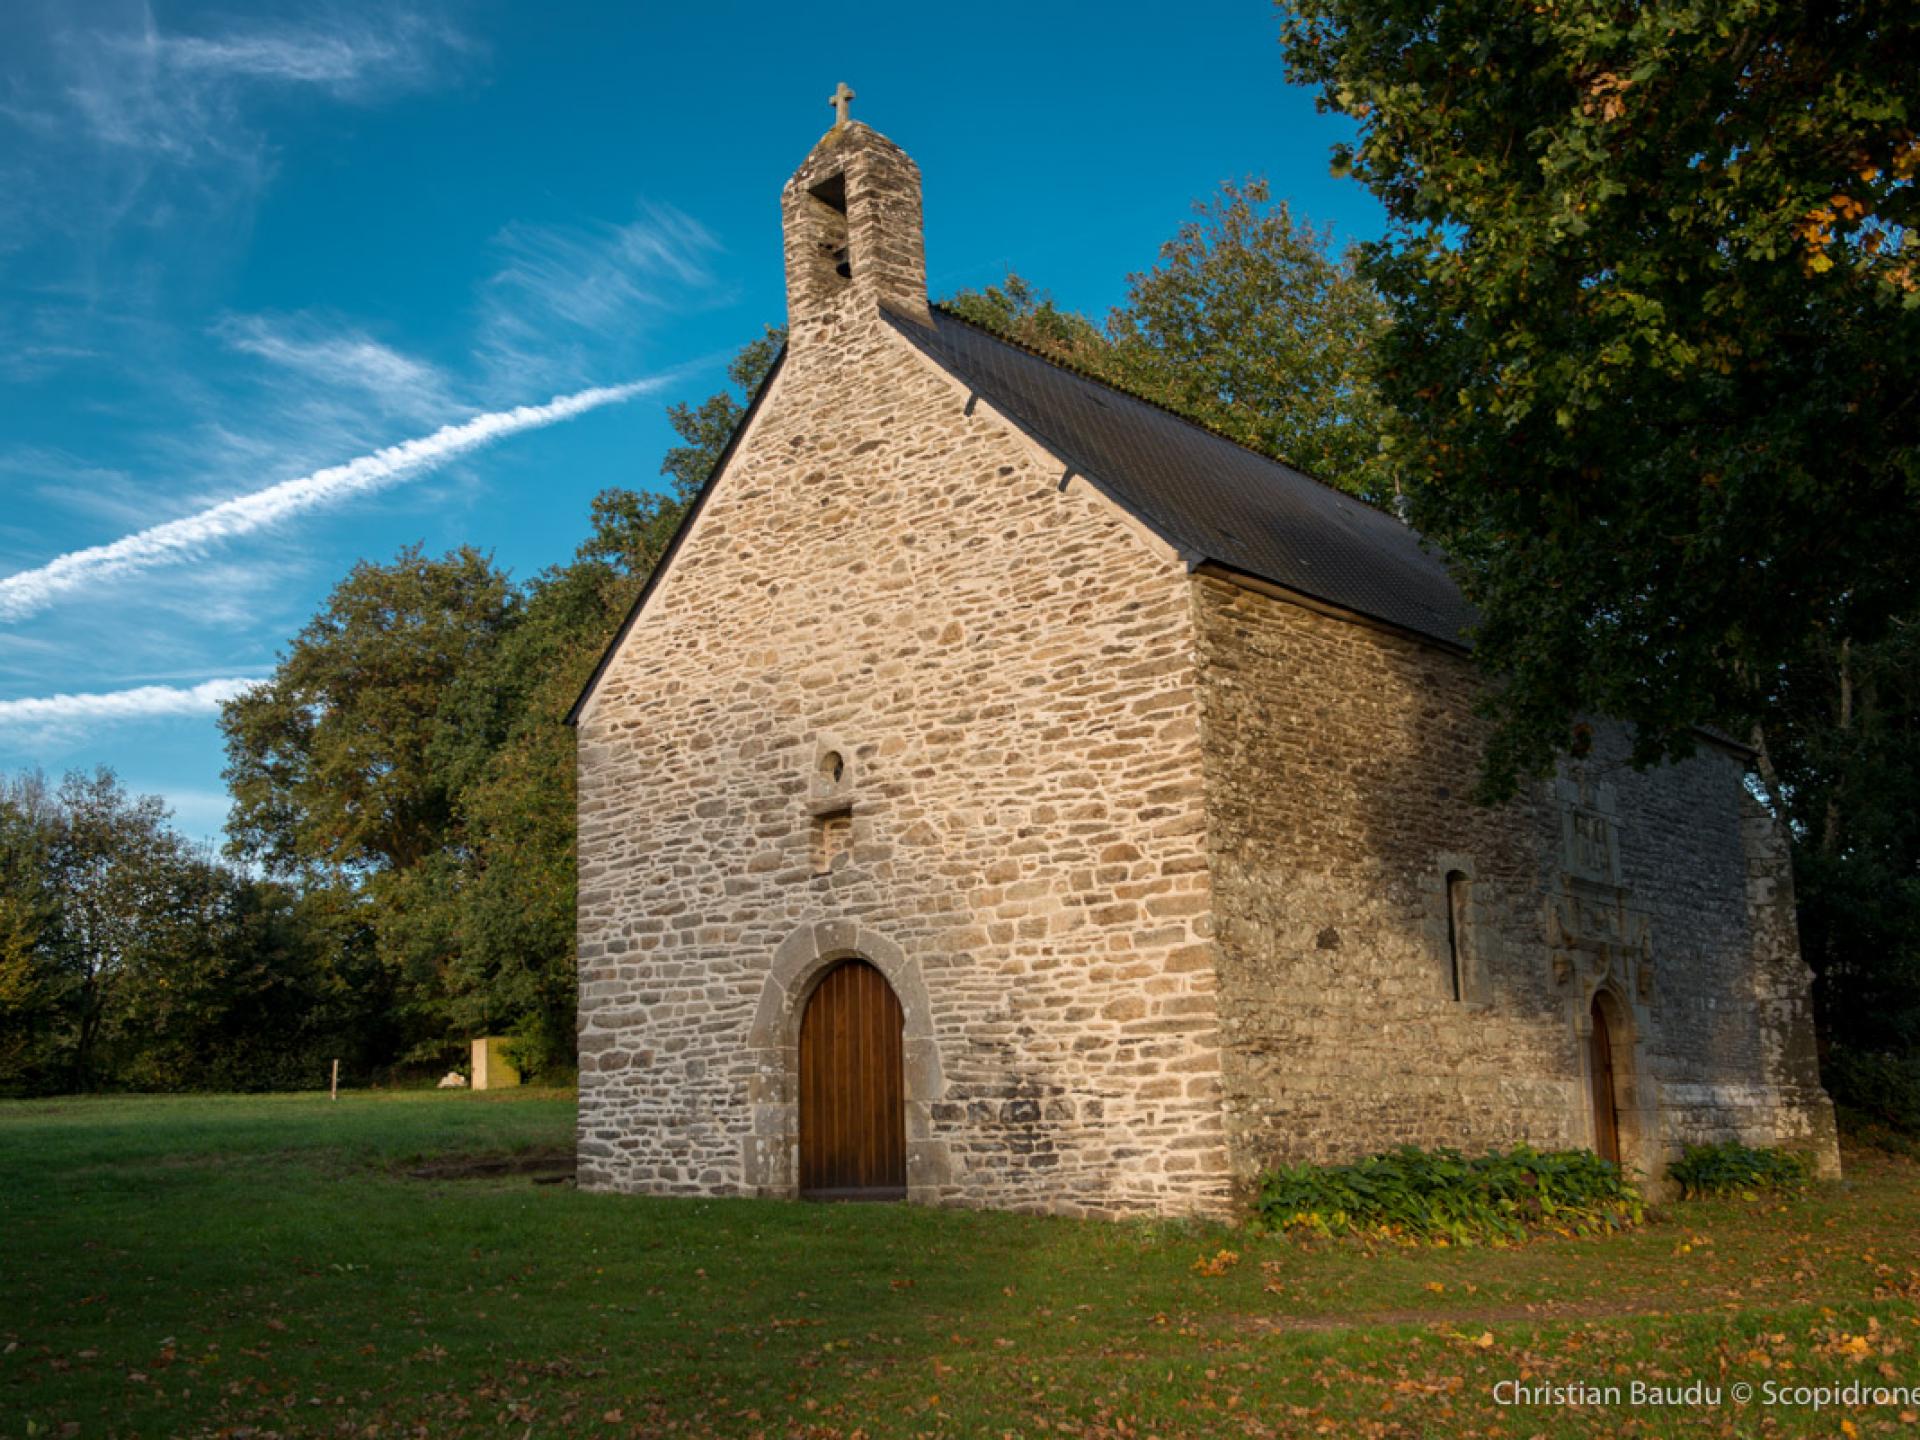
[1021, 312]
[1254, 324]
[1655, 338]
[1843, 770]
[130, 958]
[408, 765]
[336, 761]
[329, 760]
[247, 996]
[707, 427]
[112, 868]
[31, 995]
[1250, 323]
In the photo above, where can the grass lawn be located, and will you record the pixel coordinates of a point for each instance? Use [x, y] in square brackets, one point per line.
[268, 1265]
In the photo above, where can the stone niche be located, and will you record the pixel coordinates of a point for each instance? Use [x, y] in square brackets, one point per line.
[1595, 934]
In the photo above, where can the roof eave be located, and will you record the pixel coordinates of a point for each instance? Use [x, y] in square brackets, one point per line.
[1221, 570]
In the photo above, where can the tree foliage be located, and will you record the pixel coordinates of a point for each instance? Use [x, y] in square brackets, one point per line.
[1843, 769]
[330, 761]
[1022, 312]
[409, 759]
[403, 786]
[131, 958]
[1655, 336]
[31, 987]
[1251, 323]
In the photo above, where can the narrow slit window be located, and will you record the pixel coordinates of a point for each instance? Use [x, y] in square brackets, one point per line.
[1459, 896]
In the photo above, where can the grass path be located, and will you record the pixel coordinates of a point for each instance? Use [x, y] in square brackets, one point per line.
[267, 1266]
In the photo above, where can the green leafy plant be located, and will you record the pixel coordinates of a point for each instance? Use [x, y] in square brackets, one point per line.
[1731, 1168]
[1442, 1195]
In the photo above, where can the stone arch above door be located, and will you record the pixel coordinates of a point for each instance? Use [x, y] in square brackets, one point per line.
[771, 1158]
[1641, 1152]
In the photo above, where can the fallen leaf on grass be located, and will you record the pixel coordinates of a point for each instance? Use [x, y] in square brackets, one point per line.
[1221, 1262]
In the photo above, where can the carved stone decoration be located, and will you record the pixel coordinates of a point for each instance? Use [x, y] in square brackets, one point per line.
[1593, 929]
[1589, 844]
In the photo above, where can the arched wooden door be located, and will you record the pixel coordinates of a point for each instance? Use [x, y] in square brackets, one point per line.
[853, 1119]
[1606, 1113]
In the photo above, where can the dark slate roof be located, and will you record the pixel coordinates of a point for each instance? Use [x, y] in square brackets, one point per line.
[1204, 494]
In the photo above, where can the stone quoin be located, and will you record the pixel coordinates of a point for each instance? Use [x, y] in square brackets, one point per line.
[1138, 769]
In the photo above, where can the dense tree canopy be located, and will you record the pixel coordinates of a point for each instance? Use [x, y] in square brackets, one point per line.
[330, 761]
[129, 957]
[1655, 338]
[1843, 768]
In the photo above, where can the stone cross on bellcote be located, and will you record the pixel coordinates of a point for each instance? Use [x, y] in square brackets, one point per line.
[839, 100]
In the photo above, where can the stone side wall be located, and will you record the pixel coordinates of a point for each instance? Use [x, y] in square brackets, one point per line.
[1006, 666]
[1340, 761]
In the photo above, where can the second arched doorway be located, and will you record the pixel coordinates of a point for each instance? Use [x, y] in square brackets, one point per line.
[853, 1132]
[1606, 1104]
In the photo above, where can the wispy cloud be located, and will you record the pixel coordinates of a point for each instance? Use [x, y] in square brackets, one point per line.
[177, 95]
[62, 478]
[340, 358]
[144, 702]
[398, 48]
[120, 134]
[563, 296]
[31, 590]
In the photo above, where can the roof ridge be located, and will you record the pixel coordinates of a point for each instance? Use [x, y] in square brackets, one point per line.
[1202, 426]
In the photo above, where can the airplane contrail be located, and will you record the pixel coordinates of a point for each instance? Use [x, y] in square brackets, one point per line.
[27, 591]
[141, 703]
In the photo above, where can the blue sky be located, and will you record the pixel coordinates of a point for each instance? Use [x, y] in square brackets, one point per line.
[246, 245]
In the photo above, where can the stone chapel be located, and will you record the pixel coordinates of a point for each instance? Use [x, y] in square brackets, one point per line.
[1009, 793]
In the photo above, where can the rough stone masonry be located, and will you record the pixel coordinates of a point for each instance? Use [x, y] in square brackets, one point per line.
[1174, 870]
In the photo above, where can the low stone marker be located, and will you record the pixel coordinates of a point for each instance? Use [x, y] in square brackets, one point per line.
[491, 1068]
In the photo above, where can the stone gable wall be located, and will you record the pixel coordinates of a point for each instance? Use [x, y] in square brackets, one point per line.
[1340, 761]
[1007, 667]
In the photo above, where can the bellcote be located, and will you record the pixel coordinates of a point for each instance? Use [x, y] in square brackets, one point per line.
[851, 221]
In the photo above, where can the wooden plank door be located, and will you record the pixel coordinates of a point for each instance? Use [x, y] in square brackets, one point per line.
[1606, 1116]
[853, 1121]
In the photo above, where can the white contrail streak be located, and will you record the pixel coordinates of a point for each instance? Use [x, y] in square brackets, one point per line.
[23, 593]
[143, 703]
